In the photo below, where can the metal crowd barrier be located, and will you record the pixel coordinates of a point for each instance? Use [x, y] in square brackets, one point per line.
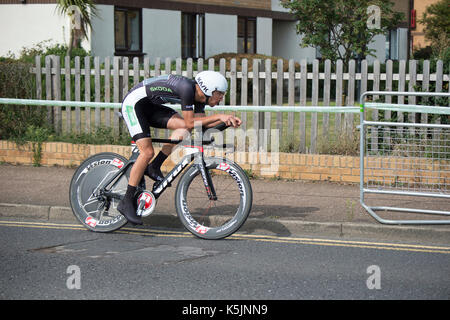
[115, 105]
[405, 160]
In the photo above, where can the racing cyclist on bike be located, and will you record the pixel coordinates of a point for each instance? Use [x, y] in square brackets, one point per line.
[143, 108]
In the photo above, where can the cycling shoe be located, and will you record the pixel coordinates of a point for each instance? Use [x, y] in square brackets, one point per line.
[128, 210]
[154, 173]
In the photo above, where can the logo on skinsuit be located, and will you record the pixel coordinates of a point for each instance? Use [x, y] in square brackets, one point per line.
[131, 115]
[165, 89]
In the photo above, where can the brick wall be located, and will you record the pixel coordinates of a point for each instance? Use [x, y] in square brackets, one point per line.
[418, 34]
[284, 165]
[387, 171]
[54, 153]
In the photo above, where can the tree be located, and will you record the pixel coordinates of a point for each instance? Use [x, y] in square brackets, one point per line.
[437, 27]
[86, 10]
[342, 29]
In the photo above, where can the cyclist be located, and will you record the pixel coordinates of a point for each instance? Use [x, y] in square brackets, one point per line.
[143, 108]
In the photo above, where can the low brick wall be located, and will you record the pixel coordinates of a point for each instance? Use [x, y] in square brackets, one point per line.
[390, 171]
[54, 153]
[282, 165]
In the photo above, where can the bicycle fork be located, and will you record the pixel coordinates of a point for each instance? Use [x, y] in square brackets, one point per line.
[206, 176]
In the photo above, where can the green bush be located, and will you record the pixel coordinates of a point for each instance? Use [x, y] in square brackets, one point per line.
[22, 123]
[16, 81]
[423, 53]
[101, 135]
[46, 48]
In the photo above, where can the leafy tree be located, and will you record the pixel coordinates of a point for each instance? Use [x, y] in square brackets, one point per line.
[87, 10]
[340, 27]
[437, 28]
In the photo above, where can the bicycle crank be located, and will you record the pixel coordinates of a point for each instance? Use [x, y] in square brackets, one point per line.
[146, 202]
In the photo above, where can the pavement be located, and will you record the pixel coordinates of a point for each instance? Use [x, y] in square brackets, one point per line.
[281, 208]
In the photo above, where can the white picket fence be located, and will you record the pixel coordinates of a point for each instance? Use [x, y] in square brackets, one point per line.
[108, 80]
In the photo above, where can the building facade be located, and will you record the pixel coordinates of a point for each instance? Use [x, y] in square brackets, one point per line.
[418, 40]
[180, 28]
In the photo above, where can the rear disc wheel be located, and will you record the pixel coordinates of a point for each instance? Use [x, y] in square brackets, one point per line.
[94, 211]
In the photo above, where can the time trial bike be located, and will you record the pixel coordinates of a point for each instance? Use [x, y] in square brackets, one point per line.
[213, 197]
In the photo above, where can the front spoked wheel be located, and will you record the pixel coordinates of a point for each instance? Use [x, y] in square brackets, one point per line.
[214, 219]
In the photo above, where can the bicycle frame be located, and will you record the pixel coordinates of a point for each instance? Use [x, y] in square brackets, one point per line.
[196, 155]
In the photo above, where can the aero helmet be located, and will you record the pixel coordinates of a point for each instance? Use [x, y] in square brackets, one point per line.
[210, 81]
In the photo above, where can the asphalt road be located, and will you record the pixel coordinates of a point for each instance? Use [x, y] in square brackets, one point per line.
[42, 260]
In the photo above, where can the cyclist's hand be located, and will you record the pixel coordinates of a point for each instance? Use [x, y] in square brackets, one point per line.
[230, 120]
[238, 122]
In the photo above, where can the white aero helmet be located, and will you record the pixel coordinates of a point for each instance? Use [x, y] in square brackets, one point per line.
[210, 81]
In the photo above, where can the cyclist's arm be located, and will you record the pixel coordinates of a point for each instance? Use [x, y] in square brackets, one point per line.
[207, 121]
[203, 115]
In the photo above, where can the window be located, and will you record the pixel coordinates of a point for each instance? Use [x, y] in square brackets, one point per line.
[192, 35]
[318, 53]
[392, 45]
[246, 35]
[127, 31]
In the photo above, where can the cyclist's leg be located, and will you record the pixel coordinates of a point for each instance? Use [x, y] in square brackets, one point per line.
[146, 153]
[127, 205]
[167, 118]
[176, 123]
[137, 122]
